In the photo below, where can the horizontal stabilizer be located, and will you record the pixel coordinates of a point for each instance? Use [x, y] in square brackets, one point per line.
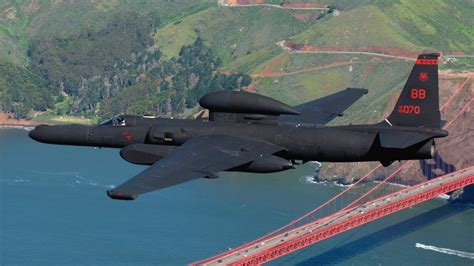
[321, 111]
[395, 139]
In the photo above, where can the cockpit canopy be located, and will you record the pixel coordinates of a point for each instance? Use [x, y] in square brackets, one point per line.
[129, 120]
[116, 121]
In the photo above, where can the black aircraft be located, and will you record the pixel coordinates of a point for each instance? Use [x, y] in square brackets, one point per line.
[247, 132]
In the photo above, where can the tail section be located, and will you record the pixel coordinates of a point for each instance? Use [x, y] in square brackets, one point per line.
[418, 105]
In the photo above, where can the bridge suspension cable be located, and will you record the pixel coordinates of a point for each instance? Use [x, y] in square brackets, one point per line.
[311, 218]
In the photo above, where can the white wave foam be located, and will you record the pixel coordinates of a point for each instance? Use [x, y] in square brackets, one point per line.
[20, 180]
[17, 180]
[446, 251]
[51, 173]
[342, 185]
[84, 181]
[75, 175]
[310, 180]
[444, 196]
[316, 163]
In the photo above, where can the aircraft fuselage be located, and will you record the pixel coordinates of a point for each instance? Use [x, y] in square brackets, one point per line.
[249, 132]
[331, 144]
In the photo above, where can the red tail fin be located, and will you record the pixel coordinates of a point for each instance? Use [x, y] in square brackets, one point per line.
[418, 105]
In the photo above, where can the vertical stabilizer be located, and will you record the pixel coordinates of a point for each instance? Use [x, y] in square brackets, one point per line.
[418, 105]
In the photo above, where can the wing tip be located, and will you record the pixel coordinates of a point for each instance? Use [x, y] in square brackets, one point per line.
[362, 90]
[118, 195]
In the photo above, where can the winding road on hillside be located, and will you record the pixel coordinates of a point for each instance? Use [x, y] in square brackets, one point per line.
[283, 45]
[225, 3]
[310, 69]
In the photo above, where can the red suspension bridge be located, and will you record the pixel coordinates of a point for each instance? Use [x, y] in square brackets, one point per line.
[376, 200]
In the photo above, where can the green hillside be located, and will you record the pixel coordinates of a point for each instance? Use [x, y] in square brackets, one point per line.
[380, 77]
[350, 29]
[412, 25]
[98, 57]
[233, 32]
[22, 90]
[25, 20]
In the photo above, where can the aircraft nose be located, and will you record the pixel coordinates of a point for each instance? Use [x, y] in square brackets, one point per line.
[61, 134]
[39, 133]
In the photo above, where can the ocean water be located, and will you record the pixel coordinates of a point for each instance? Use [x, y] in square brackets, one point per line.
[54, 210]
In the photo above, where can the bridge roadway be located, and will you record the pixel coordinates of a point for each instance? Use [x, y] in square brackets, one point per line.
[344, 220]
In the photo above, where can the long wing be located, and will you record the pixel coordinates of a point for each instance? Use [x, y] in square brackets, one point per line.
[198, 157]
[321, 111]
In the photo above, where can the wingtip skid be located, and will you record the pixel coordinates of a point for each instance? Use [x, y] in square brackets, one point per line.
[120, 195]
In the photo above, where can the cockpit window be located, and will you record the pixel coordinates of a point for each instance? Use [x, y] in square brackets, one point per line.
[106, 122]
[116, 121]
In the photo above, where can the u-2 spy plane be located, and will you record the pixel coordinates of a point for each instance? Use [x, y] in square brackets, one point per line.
[247, 132]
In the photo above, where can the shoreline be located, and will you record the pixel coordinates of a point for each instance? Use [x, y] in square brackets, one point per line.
[16, 126]
[6, 121]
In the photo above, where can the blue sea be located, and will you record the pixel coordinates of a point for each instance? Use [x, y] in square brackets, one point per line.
[54, 210]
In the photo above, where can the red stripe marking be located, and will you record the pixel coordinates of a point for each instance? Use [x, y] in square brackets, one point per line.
[426, 61]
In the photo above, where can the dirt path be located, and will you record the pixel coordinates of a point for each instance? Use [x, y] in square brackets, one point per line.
[281, 44]
[368, 53]
[226, 4]
[354, 52]
[460, 56]
[285, 47]
[447, 74]
[308, 49]
[442, 74]
[281, 74]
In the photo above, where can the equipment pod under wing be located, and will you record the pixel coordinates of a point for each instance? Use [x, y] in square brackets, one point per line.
[244, 103]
